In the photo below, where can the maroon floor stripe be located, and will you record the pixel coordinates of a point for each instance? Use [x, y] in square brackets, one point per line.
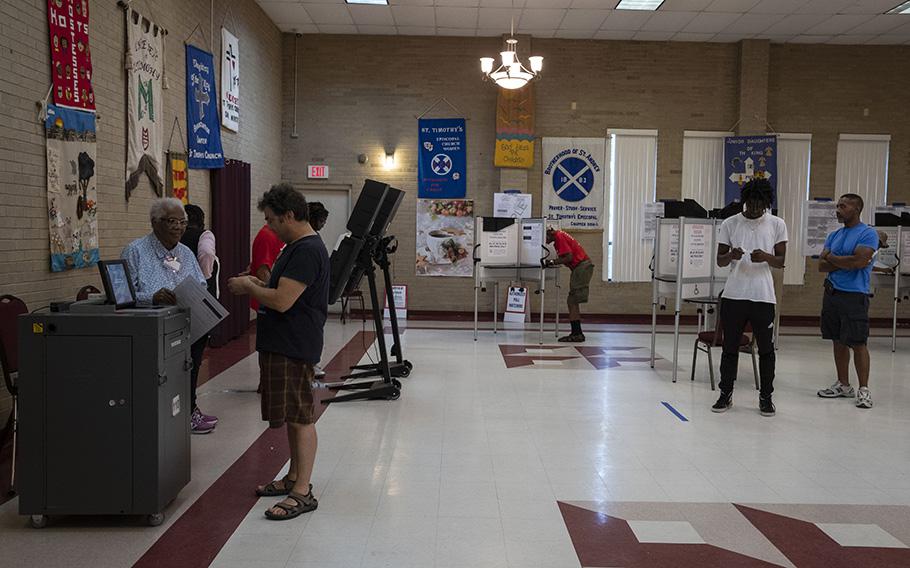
[201, 532]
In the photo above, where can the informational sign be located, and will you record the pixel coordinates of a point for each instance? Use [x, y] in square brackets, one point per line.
[400, 295]
[317, 172]
[145, 105]
[515, 128]
[516, 305]
[905, 251]
[532, 241]
[573, 181]
[203, 128]
[699, 241]
[442, 165]
[230, 81]
[746, 158]
[515, 205]
[71, 58]
[820, 220]
[652, 213]
[445, 237]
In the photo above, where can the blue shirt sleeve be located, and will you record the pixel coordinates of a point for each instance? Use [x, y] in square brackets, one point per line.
[828, 240]
[868, 239]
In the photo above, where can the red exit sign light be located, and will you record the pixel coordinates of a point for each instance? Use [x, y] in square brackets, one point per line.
[317, 172]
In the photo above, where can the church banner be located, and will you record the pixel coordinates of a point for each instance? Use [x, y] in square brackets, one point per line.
[177, 179]
[145, 105]
[515, 128]
[71, 58]
[745, 158]
[230, 81]
[72, 199]
[443, 160]
[203, 129]
[573, 182]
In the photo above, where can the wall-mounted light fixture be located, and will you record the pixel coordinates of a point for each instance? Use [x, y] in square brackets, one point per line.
[389, 160]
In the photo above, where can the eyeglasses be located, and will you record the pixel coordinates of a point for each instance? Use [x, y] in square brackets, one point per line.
[173, 222]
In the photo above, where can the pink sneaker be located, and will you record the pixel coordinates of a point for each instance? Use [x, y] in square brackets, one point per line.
[206, 417]
[198, 425]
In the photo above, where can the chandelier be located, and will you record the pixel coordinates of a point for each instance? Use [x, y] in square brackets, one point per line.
[511, 74]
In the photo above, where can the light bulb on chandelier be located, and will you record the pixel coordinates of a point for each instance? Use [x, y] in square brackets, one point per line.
[511, 74]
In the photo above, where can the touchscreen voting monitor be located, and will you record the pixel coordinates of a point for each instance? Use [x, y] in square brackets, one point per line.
[367, 207]
[118, 287]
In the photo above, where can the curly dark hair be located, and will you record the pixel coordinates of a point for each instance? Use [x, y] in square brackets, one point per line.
[758, 189]
[318, 214]
[281, 198]
[195, 216]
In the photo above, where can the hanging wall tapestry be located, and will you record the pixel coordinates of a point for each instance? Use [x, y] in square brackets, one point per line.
[177, 182]
[203, 129]
[515, 128]
[230, 81]
[745, 158]
[145, 106]
[71, 58]
[443, 160]
[71, 196]
[573, 182]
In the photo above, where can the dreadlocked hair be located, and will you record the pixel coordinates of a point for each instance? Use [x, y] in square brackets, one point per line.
[758, 189]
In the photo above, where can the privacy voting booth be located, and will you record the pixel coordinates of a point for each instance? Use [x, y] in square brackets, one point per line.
[684, 268]
[512, 250]
[898, 283]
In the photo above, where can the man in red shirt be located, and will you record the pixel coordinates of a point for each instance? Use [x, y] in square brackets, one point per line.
[266, 247]
[572, 255]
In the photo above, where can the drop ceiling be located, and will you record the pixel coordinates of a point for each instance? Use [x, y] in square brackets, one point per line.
[781, 21]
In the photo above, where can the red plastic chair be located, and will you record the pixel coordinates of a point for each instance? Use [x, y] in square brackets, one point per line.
[708, 339]
[10, 309]
[85, 291]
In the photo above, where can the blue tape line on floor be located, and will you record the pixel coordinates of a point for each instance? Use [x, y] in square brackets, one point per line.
[674, 411]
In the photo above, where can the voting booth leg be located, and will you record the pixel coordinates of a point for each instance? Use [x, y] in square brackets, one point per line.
[894, 323]
[495, 304]
[653, 330]
[476, 291]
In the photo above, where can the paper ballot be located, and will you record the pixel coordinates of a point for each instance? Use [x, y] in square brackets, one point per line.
[205, 311]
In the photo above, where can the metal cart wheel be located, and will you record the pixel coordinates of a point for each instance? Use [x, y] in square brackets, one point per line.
[38, 521]
[155, 519]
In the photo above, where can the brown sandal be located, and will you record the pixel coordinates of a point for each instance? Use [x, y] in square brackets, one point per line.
[277, 487]
[304, 504]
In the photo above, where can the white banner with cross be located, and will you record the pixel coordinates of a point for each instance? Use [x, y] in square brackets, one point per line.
[573, 181]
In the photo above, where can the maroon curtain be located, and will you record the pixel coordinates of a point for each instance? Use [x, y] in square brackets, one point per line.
[231, 226]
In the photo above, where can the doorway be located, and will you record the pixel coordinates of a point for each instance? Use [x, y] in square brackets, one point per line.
[337, 201]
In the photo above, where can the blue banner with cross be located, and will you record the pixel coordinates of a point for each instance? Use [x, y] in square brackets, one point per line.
[203, 124]
[745, 158]
[443, 160]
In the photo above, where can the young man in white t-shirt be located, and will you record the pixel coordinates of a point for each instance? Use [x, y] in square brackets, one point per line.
[753, 241]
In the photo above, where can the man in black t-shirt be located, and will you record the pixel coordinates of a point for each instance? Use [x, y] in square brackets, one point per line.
[293, 306]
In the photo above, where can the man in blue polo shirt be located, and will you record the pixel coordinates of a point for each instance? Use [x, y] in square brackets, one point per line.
[847, 258]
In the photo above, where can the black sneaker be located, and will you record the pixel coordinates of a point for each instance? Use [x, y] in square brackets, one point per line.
[724, 403]
[573, 338]
[765, 406]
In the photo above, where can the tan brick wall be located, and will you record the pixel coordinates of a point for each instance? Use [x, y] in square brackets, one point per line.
[25, 78]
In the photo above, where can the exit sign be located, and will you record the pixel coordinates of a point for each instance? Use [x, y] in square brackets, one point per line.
[317, 172]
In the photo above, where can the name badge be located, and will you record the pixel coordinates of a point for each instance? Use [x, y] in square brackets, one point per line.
[173, 264]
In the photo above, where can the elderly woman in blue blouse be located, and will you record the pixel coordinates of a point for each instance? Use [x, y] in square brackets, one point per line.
[158, 262]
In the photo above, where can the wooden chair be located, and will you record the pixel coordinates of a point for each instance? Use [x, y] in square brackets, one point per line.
[708, 339]
[10, 309]
[83, 292]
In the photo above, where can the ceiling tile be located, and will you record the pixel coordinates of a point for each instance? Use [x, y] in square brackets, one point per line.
[824, 6]
[809, 39]
[775, 38]
[377, 30]
[625, 20]
[686, 5]
[574, 34]
[880, 24]
[337, 29]
[614, 34]
[298, 28]
[887, 39]
[550, 3]
[411, 2]
[871, 7]
[372, 15]
[501, 3]
[698, 37]
[329, 13]
[584, 20]
[495, 18]
[417, 30]
[838, 24]
[490, 32]
[458, 3]
[540, 33]
[753, 23]
[668, 21]
[456, 18]
[653, 36]
[285, 12]
[710, 22]
[737, 6]
[540, 19]
[730, 38]
[795, 24]
[414, 15]
[852, 39]
[464, 32]
[593, 4]
[778, 6]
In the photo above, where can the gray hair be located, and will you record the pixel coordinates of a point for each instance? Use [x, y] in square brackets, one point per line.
[160, 206]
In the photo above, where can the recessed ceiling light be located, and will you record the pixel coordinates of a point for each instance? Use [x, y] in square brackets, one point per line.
[376, 2]
[639, 4]
[902, 9]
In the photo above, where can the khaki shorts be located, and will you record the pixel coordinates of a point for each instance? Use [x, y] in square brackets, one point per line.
[580, 281]
[286, 387]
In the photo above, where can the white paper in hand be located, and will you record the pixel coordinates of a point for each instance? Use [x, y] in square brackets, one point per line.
[205, 311]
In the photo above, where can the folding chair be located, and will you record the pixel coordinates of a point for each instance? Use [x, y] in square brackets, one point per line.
[708, 339]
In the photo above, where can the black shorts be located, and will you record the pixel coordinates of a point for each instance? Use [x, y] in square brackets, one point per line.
[845, 317]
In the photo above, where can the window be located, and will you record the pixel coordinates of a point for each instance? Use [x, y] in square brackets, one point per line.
[794, 152]
[703, 168]
[862, 168]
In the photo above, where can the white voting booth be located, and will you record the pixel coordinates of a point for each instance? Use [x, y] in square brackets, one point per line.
[511, 250]
[897, 255]
[684, 268]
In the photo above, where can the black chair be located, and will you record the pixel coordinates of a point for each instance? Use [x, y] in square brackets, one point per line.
[10, 309]
[708, 339]
[84, 292]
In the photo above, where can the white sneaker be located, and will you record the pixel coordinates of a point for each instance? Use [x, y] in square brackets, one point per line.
[864, 398]
[837, 390]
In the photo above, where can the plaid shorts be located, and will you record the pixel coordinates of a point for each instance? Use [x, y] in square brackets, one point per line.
[286, 387]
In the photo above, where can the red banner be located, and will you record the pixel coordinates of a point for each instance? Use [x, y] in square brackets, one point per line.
[71, 58]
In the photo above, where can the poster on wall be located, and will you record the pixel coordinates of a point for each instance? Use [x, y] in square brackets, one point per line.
[71, 58]
[230, 81]
[573, 182]
[515, 128]
[442, 165]
[745, 158]
[177, 178]
[145, 105]
[445, 237]
[513, 205]
[203, 128]
[72, 199]
[819, 220]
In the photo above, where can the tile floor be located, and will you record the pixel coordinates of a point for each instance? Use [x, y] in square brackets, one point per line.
[481, 465]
